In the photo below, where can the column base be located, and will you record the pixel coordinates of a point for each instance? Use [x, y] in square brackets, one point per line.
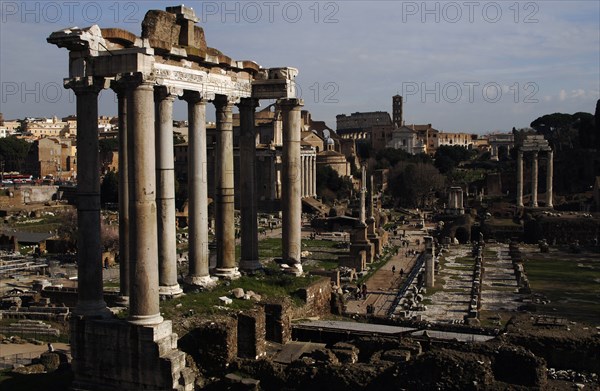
[206, 282]
[295, 269]
[122, 301]
[250, 265]
[171, 291]
[145, 320]
[92, 309]
[231, 273]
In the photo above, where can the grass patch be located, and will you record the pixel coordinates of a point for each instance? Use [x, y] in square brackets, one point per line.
[208, 302]
[574, 291]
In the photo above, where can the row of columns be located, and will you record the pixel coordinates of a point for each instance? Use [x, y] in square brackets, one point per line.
[309, 180]
[494, 150]
[534, 178]
[146, 192]
[455, 198]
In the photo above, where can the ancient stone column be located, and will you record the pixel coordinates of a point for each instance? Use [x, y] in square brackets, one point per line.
[291, 197]
[549, 179]
[520, 178]
[144, 300]
[224, 193]
[363, 191]
[122, 95]
[198, 253]
[165, 193]
[90, 300]
[429, 262]
[248, 201]
[303, 173]
[313, 173]
[534, 179]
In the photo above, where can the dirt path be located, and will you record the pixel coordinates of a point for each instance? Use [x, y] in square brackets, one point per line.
[31, 349]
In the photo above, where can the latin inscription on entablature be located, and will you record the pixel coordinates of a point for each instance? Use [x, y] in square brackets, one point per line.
[196, 80]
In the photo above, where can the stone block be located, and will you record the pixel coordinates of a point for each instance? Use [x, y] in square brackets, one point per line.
[162, 26]
[50, 361]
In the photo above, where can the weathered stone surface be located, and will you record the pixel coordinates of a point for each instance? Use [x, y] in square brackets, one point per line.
[50, 361]
[115, 354]
[213, 344]
[162, 26]
[30, 369]
[278, 315]
[317, 297]
[238, 293]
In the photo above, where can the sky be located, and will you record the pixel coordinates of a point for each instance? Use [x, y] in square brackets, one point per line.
[463, 66]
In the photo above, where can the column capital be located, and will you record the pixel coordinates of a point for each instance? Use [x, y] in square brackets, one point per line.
[196, 96]
[248, 103]
[86, 85]
[166, 93]
[222, 101]
[130, 81]
[290, 103]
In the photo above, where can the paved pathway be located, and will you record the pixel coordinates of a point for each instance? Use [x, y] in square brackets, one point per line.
[384, 284]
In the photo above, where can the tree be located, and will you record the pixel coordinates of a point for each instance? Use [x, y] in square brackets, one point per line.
[447, 157]
[411, 184]
[109, 189]
[331, 186]
[13, 152]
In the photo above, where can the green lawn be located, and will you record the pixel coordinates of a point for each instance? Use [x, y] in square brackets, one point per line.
[574, 291]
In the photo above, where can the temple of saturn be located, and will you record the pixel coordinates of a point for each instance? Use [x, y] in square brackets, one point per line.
[169, 61]
[532, 146]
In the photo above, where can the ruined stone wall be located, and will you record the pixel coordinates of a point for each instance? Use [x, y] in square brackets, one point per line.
[251, 333]
[316, 298]
[563, 230]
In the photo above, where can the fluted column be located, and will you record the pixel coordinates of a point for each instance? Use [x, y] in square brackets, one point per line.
[224, 193]
[165, 193]
[144, 299]
[520, 178]
[549, 179]
[90, 300]
[291, 197]
[248, 200]
[534, 180]
[124, 247]
[198, 253]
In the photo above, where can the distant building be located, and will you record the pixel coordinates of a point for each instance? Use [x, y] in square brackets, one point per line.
[52, 157]
[406, 139]
[46, 127]
[454, 139]
[334, 159]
